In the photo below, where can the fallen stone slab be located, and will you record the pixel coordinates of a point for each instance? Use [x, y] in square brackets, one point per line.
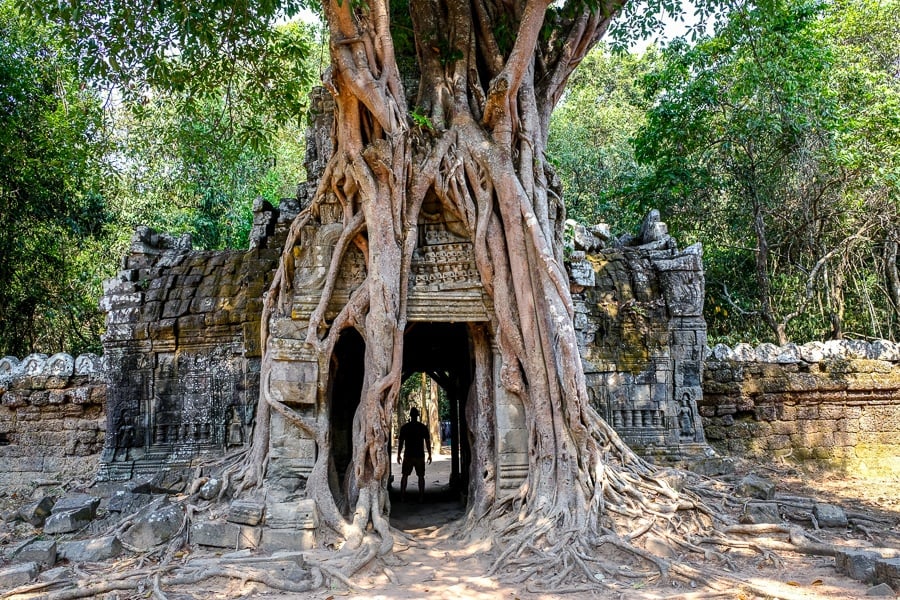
[887, 570]
[857, 564]
[882, 590]
[55, 574]
[754, 486]
[153, 526]
[71, 513]
[220, 534]
[95, 550]
[211, 489]
[829, 515]
[170, 481]
[37, 512]
[761, 512]
[42, 552]
[17, 575]
[246, 512]
[77, 502]
[68, 521]
[126, 502]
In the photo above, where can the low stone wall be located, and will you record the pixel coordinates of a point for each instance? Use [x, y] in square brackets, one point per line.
[837, 403]
[52, 418]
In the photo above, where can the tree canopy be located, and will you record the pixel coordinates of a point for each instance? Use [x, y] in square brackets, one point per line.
[82, 169]
[53, 210]
[771, 140]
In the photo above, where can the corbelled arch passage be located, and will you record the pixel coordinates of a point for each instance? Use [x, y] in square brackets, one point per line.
[443, 352]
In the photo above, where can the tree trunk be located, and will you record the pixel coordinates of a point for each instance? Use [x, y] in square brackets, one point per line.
[475, 142]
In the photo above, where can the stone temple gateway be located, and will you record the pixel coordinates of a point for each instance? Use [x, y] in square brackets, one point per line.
[184, 362]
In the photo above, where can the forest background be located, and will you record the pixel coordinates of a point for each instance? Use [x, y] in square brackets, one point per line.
[772, 136]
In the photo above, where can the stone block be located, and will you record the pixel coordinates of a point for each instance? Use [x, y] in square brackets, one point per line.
[881, 590]
[68, 521]
[77, 502]
[16, 575]
[887, 570]
[294, 382]
[126, 502]
[220, 534]
[56, 574]
[754, 486]
[761, 512]
[155, 525]
[37, 512]
[246, 512]
[93, 550]
[42, 552]
[301, 514]
[211, 488]
[274, 540]
[829, 515]
[856, 564]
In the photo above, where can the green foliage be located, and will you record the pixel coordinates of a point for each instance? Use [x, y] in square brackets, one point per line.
[775, 144]
[194, 51]
[76, 177]
[188, 171]
[420, 119]
[590, 132]
[53, 210]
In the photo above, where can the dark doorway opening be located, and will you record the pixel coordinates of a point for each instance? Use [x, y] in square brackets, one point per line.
[441, 351]
[345, 389]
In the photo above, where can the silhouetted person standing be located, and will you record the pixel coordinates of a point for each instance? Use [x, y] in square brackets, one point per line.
[415, 437]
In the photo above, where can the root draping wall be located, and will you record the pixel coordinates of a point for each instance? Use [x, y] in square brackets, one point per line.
[837, 403]
[52, 420]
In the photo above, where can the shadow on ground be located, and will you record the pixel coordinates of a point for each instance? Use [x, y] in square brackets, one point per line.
[439, 506]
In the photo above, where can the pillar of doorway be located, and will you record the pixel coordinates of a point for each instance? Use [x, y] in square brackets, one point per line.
[432, 413]
[454, 438]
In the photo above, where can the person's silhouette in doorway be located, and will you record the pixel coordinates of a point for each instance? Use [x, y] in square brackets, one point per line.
[415, 438]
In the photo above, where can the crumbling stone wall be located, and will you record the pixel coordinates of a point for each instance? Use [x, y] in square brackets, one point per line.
[52, 420]
[182, 345]
[639, 322]
[837, 403]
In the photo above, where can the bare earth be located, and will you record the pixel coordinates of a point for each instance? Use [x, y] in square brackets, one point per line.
[433, 563]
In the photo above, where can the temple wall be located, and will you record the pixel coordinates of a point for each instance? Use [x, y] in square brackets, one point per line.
[836, 403]
[639, 322]
[182, 349]
[52, 419]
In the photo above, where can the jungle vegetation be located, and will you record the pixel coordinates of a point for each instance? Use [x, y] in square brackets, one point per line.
[772, 139]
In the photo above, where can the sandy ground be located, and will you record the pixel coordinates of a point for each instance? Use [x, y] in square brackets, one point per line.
[432, 563]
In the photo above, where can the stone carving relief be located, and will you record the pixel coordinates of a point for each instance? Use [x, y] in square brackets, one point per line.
[444, 258]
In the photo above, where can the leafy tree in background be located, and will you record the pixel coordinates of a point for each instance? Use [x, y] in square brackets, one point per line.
[194, 154]
[53, 211]
[184, 171]
[774, 145]
[590, 136]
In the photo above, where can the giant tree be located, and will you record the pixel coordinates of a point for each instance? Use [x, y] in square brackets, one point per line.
[471, 136]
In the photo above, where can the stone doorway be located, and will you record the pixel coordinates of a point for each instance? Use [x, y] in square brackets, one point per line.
[442, 351]
[344, 390]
